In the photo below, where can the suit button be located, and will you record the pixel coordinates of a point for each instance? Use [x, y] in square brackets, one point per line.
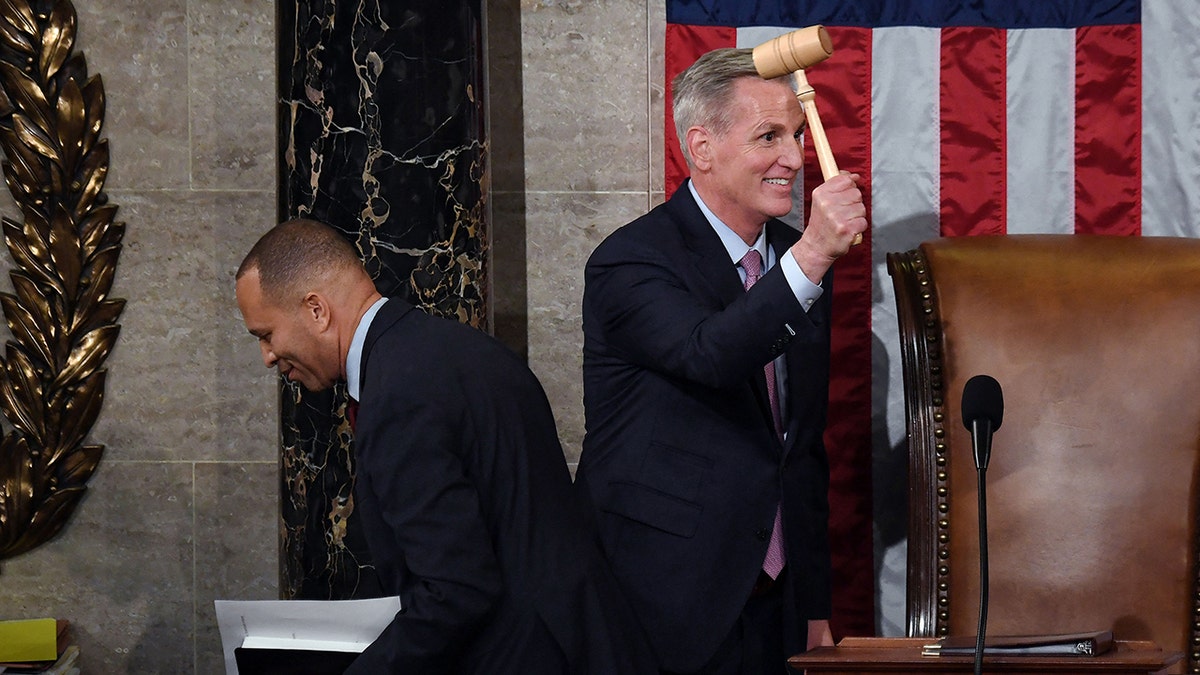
[762, 534]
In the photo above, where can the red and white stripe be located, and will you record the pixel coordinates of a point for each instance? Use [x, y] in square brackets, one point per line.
[968, 131]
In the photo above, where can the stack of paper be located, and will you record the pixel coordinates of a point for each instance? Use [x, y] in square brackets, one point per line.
[1091, 643]
[262, 636]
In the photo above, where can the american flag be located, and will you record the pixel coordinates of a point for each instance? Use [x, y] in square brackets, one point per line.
[963, 118]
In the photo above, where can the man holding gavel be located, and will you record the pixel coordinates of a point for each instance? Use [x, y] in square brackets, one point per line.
[706, 363]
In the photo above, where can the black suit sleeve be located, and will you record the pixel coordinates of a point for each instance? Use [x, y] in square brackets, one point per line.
[412, 466]
[652, 316]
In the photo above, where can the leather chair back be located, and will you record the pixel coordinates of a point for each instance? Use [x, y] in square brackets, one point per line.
[1092, 485]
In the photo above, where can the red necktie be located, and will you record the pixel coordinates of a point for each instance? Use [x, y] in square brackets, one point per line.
[776, 557]
[352, 413]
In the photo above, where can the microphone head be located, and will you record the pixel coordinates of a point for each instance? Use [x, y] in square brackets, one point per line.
[982, 399]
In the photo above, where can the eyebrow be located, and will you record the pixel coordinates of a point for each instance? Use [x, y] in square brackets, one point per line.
[779, 126]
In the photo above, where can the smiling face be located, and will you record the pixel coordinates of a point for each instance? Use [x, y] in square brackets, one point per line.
[292, 339]
[745, 174]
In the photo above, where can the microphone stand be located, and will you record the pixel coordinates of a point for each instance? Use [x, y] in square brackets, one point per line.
[983, 570]
[983, 408]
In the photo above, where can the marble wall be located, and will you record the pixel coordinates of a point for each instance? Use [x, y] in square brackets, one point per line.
[183, 509]
[593, 89]
[381, 135]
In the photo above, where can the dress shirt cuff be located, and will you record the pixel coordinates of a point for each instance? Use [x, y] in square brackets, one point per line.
[806, 292]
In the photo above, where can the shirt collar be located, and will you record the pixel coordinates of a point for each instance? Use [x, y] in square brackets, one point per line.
[354, 356]
[734, 246]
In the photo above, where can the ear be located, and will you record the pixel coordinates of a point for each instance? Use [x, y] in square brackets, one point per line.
[699, 145]
[317, 310]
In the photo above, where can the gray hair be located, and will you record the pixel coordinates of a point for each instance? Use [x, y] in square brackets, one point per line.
[701, 94]
[295, 253]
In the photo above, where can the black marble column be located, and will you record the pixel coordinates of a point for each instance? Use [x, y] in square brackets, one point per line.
[382, 135]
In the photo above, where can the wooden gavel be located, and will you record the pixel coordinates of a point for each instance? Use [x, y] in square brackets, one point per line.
[790, 54]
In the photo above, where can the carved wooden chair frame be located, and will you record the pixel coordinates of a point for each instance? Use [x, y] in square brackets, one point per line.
[929, 571]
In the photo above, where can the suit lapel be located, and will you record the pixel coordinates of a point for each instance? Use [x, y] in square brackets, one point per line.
[719, 273]
[711, 261]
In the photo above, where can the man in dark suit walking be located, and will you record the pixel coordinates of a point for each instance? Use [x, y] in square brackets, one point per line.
[706, 363]
[460, 480]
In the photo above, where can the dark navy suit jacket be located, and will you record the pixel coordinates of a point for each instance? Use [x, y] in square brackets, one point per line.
[469, 514]
[680, 460]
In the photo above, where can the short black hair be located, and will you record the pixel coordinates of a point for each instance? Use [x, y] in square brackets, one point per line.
[296, 251]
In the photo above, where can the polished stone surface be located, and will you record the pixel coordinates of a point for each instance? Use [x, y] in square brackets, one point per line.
[237, 543]
[381, 135]
[233, 145]
[182, 508]
[186, 382]
[586, 67]
[121, 572]
[564, 228]
[190, 422]
[141, 51]
[506, 138]
[593, 161]
[510, 304]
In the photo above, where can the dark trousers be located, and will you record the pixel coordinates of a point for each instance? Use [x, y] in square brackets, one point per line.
[754, 646]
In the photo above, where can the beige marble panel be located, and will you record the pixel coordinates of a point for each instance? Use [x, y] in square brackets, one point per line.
[563, 231]
[657, 88]
[237, 545]
[121, 571]
[232, 93]
[140, 49]
[185, 379]
[585, 92]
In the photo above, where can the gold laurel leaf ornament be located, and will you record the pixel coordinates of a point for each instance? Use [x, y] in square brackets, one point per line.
[65, 248]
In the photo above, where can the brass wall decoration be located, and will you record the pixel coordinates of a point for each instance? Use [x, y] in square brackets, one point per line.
[65, 253]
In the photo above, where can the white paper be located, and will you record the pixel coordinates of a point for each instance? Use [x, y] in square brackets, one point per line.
[256, 642]
[339, 621]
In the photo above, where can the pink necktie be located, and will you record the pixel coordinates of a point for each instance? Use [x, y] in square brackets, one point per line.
[773, 564]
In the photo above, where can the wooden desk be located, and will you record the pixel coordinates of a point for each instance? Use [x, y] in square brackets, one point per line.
[903, 655]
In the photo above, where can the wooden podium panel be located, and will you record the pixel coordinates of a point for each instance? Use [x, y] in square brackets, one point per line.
[903, 655]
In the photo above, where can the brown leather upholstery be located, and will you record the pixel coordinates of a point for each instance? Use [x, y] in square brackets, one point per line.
[1092, 485]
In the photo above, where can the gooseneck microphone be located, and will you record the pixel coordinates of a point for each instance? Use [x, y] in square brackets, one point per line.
[983, 411]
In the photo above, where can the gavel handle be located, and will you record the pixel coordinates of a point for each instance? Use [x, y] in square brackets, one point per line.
[808, 101]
